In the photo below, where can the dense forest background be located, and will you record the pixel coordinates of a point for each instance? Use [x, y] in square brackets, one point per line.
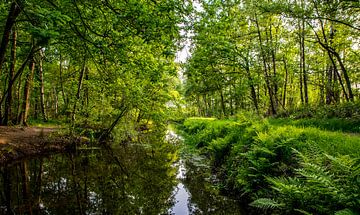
[273, 85]
[88, 63]
[97, 63]
[273, 56]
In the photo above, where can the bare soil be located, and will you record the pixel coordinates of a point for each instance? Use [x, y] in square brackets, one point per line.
[17, 143]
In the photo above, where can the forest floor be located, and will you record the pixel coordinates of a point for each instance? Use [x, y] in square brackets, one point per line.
[17, 143]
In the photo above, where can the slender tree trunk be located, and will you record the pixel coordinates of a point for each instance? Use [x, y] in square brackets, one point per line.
[273, 57]
[231, 100]
[18, 97]
[285, 82]
[198, 105]
[205, 106]
[327, 45]
[223, 108]
[252, 89]
[347, 79]
[36, 107]
[304, 72]
[56, 105]
[42, 90]
[61, 82]
[27, 90]
[107, 132]
[301, 64]
[81, 77]
[329, 91]
[8, 101]
[322, 86]
[268, 85]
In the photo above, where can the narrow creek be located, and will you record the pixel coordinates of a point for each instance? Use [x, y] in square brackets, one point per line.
[137, 178]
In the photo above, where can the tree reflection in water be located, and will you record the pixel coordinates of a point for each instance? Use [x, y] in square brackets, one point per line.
[137, 178]
[131, 179]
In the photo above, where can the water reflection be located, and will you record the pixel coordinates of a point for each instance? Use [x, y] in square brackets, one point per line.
[128, 180]
[131, 179]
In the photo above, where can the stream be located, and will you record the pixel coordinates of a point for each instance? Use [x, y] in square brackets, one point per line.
[136, 178]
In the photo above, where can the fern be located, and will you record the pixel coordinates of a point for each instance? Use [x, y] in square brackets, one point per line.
[303, 212]
[316, 174]
[346, 212]
[265, 203]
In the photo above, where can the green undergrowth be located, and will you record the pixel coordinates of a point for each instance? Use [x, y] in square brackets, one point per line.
[279, 168]
[332, 124]
[48, 123]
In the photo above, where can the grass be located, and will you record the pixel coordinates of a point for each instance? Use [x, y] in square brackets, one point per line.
[282, 167]
[332, 124]
[48, 123]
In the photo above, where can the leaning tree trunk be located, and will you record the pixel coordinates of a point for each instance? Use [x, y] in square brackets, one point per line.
[81, 77]
[10, 21]
[346, 76]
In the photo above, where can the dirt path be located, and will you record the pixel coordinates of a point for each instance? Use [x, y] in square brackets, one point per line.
[17, 143]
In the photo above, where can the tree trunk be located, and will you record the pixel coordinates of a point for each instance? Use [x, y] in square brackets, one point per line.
[273, 57]
[322, 86]
[301, 65]
[329, 91]
[285, 82]
[18, 96]
[62, 84]
[347, 79]
[10, 21]
[252, 89]
[267, 81]
[107, 132]
[8, 101]
[222, 102]
[27, 89]
[81, 77]
[304, 73]
[42, 91]
[56, 105]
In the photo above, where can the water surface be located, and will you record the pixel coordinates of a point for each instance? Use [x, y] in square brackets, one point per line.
[135, 178]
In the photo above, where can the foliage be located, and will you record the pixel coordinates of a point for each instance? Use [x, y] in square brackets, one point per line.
[280, 167]
[274, 58]
[103, 63]
[332, 124]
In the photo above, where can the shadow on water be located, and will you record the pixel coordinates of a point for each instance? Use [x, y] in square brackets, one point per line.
[131, 179]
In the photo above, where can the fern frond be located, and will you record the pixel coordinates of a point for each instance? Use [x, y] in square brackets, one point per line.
[345, 212]
[316, 174]
[265, 203]
[302, 212]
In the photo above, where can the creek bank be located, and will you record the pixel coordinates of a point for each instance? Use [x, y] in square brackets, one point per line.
[279, 169]
[17, 143]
